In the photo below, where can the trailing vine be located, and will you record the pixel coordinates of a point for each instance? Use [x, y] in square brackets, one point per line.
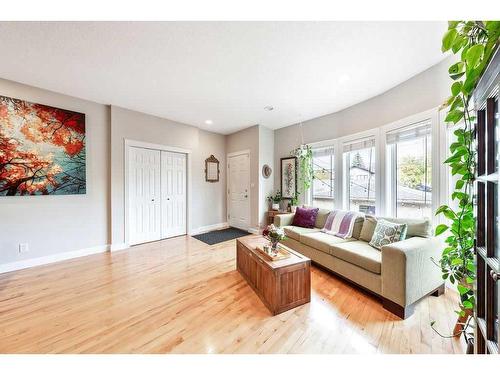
[306, 174]
[475, 42]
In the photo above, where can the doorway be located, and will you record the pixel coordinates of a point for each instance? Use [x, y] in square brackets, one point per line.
[157, 194]
[238, 190]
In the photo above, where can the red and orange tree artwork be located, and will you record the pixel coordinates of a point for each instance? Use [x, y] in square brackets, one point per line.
[42, 149]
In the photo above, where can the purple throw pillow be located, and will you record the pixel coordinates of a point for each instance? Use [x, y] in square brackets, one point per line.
[305, 217]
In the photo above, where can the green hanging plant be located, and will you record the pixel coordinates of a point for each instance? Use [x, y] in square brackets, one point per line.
[305, 158]
[474, 42]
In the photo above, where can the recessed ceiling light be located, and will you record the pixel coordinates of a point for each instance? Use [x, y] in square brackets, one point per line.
[269, 108]
[209, 122]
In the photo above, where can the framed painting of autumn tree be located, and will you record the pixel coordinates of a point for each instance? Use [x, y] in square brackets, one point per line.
[42, 149]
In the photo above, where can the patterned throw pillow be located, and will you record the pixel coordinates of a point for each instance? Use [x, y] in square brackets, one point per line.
[386, 233]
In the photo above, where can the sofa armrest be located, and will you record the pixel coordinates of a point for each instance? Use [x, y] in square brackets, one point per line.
[408, 272]
[283, 220]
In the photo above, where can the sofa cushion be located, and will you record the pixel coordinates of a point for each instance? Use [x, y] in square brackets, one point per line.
[421, 227]
[368, 228]
[358, 225]
[416, 227]
[295, 232]
[321, 218]
[321, 241]
[387, 233]
[360, 254]
[305, 217]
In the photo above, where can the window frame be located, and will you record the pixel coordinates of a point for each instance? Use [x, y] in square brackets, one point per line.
[382, 160]
[332, 159]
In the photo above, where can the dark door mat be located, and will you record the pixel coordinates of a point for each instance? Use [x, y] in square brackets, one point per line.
[216, 236]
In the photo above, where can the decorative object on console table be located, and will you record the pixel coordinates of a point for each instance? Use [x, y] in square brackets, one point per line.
[42, 149]
[289, 177]
[293, 203]
[212, 170]
[282, 284]
[275, 200]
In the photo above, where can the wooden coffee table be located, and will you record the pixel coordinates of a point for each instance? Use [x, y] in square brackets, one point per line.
[281, 284]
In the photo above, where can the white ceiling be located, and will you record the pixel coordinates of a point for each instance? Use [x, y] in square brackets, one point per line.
[223, 71]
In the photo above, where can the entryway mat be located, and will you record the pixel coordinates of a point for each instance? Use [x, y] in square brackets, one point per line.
[216, 236]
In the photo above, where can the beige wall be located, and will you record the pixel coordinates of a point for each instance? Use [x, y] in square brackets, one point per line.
[208, 205]
[60, 223]
[266, 185]
[424, 91]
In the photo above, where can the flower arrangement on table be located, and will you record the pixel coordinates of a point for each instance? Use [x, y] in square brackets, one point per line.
[274, 234]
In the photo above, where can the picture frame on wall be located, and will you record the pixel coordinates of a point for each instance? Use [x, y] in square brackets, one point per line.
[288, 177]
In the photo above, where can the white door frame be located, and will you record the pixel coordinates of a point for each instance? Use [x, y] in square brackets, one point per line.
[133, 143]
[228, 180]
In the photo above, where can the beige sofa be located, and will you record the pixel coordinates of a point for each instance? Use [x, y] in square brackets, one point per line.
[400, 274]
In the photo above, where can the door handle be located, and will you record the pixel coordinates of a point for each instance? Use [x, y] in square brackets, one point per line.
[495, 276]
[152, 200]
[246, 196]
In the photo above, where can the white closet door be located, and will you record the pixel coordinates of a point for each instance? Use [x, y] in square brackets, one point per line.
[144, 195]
[173, 194]
[239, 186]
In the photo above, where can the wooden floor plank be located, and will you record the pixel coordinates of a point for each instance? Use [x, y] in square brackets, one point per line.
[183, 296]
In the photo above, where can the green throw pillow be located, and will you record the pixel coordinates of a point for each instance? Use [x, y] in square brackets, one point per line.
[386, 233]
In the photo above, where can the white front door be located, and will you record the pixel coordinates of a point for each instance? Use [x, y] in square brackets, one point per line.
[144, 195]
[173, 194]
[239, 191]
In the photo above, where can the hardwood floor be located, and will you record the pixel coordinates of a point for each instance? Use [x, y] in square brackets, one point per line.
[183, 296]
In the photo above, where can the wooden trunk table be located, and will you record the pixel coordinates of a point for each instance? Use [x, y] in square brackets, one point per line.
[281, 284]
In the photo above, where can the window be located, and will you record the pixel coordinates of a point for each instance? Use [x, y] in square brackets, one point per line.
[410, 174]
[359, 159]
[323, 171]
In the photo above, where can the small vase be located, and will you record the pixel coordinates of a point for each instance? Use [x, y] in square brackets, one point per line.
[293, 209]
[276, 206]
[274, 247]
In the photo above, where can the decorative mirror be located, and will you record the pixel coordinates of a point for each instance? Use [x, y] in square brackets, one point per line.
[266, 171]
[212, 169]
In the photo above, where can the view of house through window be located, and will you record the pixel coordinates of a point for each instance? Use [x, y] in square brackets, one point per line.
[411, 177]
[359, 158]
[322, 186]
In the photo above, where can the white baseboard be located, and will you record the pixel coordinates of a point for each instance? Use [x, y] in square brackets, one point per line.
[33, 262]
[254, 230]
[118, 246]
[208, 228]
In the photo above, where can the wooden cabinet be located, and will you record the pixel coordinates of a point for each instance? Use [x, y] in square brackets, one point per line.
[487, 210]
[272, 213]
[281, 285]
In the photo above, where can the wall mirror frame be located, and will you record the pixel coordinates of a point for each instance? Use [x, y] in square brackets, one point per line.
[212, 170]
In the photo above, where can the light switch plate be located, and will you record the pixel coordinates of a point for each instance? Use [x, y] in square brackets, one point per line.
[23, 248]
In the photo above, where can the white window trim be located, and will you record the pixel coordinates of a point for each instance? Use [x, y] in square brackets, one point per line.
[382, 173]
[372, 133]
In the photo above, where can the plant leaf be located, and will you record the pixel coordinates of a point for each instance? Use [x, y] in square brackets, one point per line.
[441, 228]
[448, 39]
[473, 55]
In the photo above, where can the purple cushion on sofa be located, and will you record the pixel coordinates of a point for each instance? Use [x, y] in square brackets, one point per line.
[305, 217]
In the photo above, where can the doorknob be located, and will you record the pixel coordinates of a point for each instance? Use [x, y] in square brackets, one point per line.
[246, 196]
[495, 276]
[152, 200]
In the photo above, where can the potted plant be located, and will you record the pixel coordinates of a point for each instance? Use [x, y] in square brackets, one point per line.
[474, 42]
[275, 200]
[293, 203]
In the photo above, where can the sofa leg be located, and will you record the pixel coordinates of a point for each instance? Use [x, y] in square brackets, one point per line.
[438, 292]
[399, 311]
